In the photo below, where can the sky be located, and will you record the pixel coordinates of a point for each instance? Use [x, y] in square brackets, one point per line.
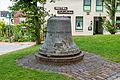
[4, 4]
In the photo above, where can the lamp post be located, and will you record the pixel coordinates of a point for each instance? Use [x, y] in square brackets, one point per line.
[9, 16]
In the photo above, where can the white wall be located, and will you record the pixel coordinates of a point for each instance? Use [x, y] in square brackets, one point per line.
[77, 7]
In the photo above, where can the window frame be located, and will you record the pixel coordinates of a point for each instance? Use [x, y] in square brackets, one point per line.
[81, 20]
[84, 5]
[116, 21]
[118, 4]
[99, 6]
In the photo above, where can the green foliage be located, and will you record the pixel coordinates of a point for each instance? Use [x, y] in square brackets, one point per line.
[9, 70]
[22, 32]
[4, 39]
[111, 6]
[32, 12]
[2, 25]
[107, 46]
[3, 29]
[109, 27]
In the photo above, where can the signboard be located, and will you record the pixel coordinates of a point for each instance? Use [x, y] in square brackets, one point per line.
[61, 8]
[65, 12]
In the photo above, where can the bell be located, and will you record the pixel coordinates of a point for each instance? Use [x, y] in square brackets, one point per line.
[59, 46]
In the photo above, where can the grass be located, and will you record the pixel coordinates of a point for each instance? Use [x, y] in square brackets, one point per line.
[9, 70]
[107, 46]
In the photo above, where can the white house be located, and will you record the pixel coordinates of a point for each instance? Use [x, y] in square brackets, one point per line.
[85, 15]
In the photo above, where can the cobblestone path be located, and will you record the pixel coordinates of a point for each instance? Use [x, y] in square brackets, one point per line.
[92, 67]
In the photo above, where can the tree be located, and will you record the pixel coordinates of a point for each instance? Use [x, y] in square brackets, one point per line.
[31, 10]
[111, 6]
[2, 28]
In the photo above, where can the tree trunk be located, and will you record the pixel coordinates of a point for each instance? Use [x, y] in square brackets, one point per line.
[37, 32]
[114, 11]
[37, 26]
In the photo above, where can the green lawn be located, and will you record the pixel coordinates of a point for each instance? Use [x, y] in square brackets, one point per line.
[9, 70]
[107, 46]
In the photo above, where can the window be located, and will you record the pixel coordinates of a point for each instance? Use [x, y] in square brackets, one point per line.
[118, 22]
[118, 6]
[99, 5]
[79, 23]
[87, 5]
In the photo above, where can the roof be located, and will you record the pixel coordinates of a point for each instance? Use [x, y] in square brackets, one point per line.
[3, 13]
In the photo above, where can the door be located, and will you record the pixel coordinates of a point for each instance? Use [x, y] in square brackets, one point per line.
[98, 29]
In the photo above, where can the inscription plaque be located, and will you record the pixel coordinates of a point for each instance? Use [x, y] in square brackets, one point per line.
[61, 8]
[65, 12]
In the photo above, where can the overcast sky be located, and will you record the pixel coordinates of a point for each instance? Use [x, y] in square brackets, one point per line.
[4, 4]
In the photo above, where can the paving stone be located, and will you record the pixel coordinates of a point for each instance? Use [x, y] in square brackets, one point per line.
[8, 47]
[92, 67]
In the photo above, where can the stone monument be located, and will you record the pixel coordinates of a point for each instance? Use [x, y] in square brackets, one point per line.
[59, 46]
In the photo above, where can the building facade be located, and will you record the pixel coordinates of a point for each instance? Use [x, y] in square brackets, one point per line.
[3, 17]
[86, 15]
[18, 17]
[11, 18]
